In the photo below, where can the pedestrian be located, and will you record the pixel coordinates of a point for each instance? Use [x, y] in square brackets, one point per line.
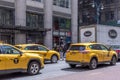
[66, 46]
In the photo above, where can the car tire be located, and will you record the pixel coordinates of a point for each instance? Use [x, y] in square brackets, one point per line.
[113, 60]
[54, 59]
[33, 68]
[72, 65]
[93, 64]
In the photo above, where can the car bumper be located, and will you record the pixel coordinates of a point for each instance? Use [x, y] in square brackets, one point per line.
[77, 62]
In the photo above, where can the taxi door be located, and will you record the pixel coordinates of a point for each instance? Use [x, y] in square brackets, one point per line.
[14, 58]
[2, 61]
[96, 49]
[44, 51]
[36, 49]
[105, 52]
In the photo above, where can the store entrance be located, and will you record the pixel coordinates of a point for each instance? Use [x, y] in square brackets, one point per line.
[35, 38]
[7, 38]
[58, 42]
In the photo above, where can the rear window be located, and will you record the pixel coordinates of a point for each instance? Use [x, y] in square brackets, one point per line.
[77, 47]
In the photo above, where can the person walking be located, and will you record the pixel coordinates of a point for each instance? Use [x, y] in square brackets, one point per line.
[65, 48]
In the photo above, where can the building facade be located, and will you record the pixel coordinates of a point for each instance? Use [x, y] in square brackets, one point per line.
[49, 22]
[108, 12]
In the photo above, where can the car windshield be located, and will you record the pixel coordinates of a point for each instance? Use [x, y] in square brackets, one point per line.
[77, 47]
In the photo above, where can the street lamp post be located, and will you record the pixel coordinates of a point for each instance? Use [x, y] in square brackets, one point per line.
[98, 6]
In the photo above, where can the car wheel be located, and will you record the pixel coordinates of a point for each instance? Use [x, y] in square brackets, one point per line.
[72, 65]
[113, 60]
[33, 68]
[54, 59]
[93, 64]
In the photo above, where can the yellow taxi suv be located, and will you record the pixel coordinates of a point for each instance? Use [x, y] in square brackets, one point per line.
[49, 55]
[14, 60]
[90, 54]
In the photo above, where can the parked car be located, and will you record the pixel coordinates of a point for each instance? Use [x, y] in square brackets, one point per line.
[90, 54]
[117, 49]
[48, 54]
[14, 60]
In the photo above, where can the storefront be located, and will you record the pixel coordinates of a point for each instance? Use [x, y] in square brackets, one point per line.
[7, 36]
[61, 32]
[19, 35]
[35, 21]
[35, 37]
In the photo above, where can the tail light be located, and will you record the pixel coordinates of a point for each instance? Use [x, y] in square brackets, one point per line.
[84, 52]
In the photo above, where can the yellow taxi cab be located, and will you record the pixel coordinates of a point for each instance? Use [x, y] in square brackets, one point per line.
[90, 54]
[14, 60]
[50, 55]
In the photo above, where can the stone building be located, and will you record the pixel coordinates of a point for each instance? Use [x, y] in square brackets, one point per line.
[48, 22]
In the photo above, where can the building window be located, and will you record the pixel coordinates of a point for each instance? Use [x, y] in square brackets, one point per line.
[61, 23]
[6, 16]
[35, 38]
[37, 0]
[61, 32]
[109, 15]
[109, 1]
[35, 20]
[54, 2]
[62, 3]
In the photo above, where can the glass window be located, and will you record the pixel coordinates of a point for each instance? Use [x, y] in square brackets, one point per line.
[77, 47]
[31, 48]
[42, 48]
[103, 47]
[67, 3]
[109, 15]
[6, 16]
[37, 0]
[109, 1]
[35, 38]
[34, 20]
[54, 2]
[95, 47]
[62, 3]
[61, 23]
[9, 50]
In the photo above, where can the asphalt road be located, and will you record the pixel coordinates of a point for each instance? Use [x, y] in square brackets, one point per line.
[61, 71]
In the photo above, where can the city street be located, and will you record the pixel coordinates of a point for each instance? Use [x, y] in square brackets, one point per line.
[61, 71]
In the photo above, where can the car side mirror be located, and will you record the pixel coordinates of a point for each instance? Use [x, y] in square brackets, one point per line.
[110, 49]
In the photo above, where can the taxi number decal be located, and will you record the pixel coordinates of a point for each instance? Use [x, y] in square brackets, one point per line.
[16, 60]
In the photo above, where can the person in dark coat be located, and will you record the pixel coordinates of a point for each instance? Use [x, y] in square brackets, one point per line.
[66, 46]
